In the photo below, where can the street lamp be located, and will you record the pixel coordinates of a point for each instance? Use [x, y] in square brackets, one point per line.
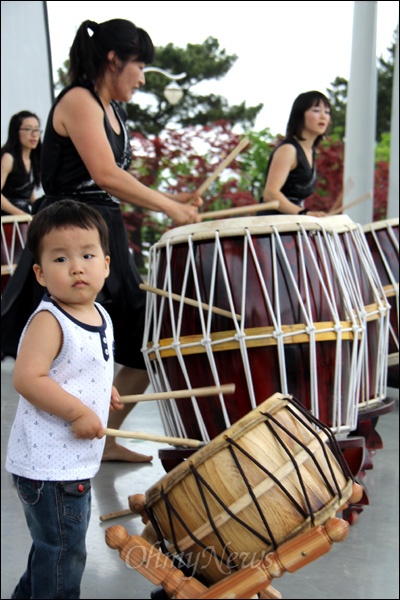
[173, 92]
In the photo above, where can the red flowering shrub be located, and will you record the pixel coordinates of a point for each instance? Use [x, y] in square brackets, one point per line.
[181, 160]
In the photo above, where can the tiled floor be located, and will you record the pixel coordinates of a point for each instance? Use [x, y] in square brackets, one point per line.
[365, 565]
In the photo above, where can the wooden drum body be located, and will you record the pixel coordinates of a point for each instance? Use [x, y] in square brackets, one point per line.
[13, 237]
[265, 480]
[292, 325]
[366, 284]
[383, 240]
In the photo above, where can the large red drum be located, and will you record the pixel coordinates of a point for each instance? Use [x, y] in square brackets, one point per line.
[383, 240]
[13, 237]
[349, 240]
[275, 313]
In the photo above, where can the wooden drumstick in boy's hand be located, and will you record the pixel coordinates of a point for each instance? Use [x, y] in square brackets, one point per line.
[228, 388]
[162, 439]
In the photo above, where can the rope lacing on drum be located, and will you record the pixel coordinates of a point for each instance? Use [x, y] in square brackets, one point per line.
[16, 233]
[296, 466]
[240, 336]
[275, 479]
[354, 252]
[171, 510]
[351, 310]
[333, 444]
[292, 459]
[176, 344]
[352, 305]
[389, 273]
[253, 496]
[157, 529]
[199, 479]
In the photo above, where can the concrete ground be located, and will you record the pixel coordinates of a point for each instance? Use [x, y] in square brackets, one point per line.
[365, 565]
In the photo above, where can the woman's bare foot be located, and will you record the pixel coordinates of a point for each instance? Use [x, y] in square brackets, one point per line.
[116, 452]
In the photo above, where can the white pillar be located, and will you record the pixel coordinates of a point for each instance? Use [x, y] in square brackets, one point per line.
[393, 193]
[26, 71]
[361, 114]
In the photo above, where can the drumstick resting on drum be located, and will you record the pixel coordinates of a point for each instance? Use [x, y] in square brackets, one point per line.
[239, 210]
[190, 301]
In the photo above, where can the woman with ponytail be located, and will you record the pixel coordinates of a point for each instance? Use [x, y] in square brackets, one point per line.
[85, 157]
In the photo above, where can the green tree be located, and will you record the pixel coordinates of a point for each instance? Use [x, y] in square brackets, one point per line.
[385, 91]
[337, 95]
[200, 62]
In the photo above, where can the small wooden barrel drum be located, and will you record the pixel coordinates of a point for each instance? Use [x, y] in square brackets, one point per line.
[290, 323]
[349, 239]
[268, 478]
[13, 237]
[383, 241]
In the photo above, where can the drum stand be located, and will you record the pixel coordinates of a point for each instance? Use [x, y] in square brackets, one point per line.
[367, 422]
[253, 579]
[359, 457]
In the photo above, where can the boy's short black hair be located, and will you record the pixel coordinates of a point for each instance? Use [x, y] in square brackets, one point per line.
[62, 214]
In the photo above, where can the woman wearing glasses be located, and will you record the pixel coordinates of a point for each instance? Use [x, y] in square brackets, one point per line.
[20, 164]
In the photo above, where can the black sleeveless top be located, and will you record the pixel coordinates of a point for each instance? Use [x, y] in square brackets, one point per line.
[63, 171]
[18, 188]
[64, 175]
[301, 181]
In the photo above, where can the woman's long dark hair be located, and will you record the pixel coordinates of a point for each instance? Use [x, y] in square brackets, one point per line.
[302, 103]
[93, 41]
[14, 147]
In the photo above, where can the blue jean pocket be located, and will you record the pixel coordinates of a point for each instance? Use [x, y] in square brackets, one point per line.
[76, 499]
[28, 490]
[76, 488]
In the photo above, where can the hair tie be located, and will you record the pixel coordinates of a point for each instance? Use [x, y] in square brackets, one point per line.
[92, 26]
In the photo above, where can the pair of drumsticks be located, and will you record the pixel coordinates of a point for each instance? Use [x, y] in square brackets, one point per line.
[191, 443]
[231, 212]
[188, 393]
[253, 208]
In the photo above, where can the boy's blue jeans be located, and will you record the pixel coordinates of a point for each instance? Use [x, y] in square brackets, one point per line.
[57, 514]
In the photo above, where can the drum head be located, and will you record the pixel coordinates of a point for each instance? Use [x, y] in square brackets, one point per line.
[385, 224]
[236, 226]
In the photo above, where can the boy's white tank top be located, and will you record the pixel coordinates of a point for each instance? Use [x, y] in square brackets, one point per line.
[42, 446]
